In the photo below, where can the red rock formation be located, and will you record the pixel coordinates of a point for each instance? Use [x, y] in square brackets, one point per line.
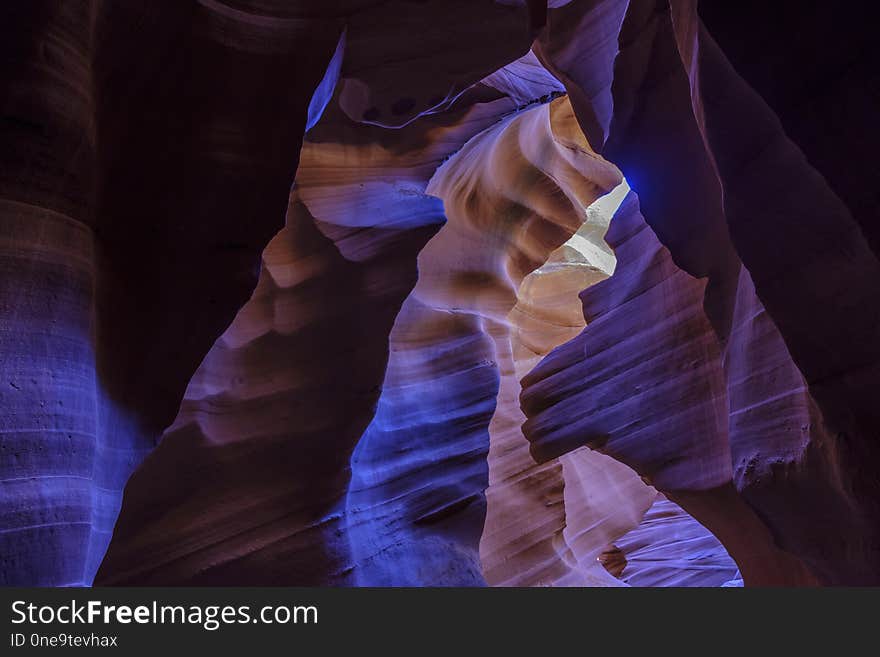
[163, 178]
[419, 470]
[676, 97]
[731, 361]
[532, 508]
[579, 46]
[293, 383]
[512, 195]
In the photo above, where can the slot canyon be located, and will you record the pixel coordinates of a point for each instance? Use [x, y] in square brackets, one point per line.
[439, 293]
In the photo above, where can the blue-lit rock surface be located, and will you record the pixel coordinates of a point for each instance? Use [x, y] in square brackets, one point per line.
[329, 293]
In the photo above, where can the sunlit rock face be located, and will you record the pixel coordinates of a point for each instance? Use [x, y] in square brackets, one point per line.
[534, 510]
[555, 523]
[355, 294]
[293, 383]
[523, 541]
[513, 193]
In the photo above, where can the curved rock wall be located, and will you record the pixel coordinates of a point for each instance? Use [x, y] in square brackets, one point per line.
[293, 383]
[406, 390]
[125, 183]
[512, 195]
[790, 443]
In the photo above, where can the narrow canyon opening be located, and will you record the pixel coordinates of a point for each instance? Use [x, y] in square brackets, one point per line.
[496, 280]
[496, 245]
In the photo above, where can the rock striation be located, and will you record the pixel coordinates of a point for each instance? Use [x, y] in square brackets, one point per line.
[357, 294]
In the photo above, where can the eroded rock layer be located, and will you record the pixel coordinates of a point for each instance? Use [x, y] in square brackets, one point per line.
[769, 390]
[512, 195]
[292, 385]
[138, 193]
[445, 369]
